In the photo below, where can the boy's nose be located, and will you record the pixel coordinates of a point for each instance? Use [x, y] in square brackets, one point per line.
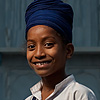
[39, 54]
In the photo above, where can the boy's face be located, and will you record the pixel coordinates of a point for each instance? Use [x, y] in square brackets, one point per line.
[46, 53]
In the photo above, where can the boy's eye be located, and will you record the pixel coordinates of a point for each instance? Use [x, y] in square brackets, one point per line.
[49, 44]
[31, 47]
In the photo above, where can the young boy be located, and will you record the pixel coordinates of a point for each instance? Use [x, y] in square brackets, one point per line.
[49, 45]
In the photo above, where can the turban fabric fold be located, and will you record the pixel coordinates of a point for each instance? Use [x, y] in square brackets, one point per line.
[53, 13]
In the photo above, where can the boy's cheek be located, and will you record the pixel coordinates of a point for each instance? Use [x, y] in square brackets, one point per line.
[29, 55]
[52, 52]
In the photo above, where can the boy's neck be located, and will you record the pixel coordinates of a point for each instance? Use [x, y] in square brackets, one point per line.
[49, 82]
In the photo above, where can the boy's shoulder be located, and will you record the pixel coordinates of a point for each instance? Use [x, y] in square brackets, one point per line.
[29, 98]
[82, 92]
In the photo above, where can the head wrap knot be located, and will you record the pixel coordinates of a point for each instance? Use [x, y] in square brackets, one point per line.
[52, 13]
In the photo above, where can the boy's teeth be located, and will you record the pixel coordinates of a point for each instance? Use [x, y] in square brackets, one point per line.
[41, 63]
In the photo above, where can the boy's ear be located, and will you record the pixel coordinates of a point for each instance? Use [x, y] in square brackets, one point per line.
[69, 50]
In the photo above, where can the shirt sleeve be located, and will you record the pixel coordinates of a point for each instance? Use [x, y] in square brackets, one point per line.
[29, 98]
[84, 95]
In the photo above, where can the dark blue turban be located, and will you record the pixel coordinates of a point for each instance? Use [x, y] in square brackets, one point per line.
[52, 13]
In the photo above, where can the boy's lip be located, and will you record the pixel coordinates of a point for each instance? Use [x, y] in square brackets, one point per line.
[42, 63]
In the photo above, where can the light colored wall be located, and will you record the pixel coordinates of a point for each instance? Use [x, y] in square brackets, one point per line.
[86, 29]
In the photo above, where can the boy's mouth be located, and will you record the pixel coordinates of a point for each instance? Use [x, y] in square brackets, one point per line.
[42, 63]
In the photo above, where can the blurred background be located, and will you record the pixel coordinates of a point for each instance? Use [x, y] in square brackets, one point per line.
[16, 77]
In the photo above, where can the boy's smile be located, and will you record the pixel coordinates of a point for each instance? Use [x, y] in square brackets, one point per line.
[46, 53]
[42, 64]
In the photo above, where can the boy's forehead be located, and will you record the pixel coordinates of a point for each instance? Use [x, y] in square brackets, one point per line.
[44, 33]
[42, 29]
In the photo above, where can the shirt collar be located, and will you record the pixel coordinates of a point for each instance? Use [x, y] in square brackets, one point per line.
[64, 83]
[36, 89]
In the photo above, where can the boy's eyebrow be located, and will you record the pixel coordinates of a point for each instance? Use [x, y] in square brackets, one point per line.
[48, 37]
[30, 40]
[44, 38]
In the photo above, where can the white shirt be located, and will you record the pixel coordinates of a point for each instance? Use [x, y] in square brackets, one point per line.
[68, 89]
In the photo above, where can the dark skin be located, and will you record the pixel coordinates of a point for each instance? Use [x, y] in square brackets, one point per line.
[49, 83]
[47, 55]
